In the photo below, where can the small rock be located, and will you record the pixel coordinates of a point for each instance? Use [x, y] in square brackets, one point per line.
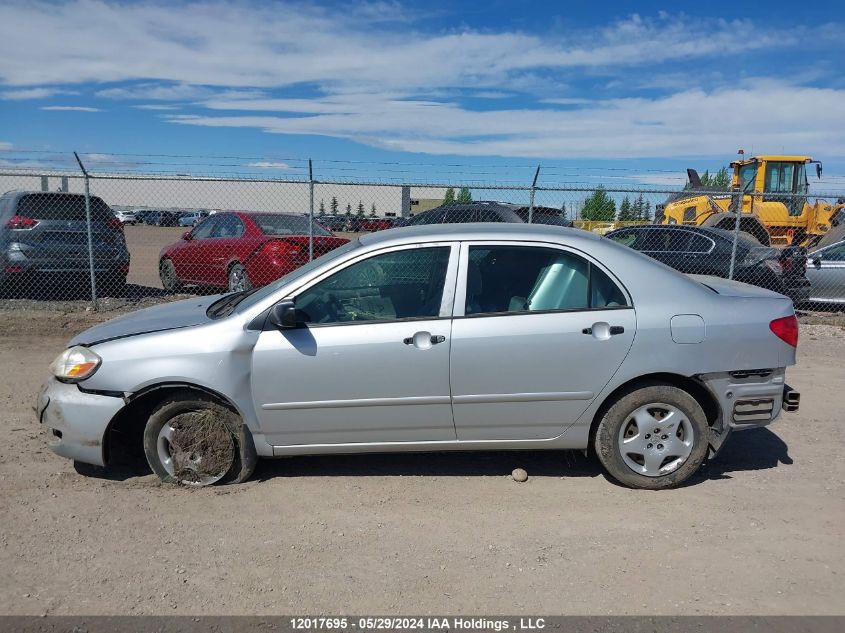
[519, 474]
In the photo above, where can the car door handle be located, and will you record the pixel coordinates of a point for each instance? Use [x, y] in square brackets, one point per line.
[603, 330]
[424, 340]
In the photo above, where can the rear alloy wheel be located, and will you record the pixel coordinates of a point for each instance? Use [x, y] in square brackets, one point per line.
[655, 437]
[192, 440]
[167, 272]
[238, 279]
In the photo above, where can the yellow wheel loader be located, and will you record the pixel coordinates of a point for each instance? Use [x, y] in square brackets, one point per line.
[775, 204]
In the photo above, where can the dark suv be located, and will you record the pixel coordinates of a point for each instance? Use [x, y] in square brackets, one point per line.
[44, 234]
[461, 212]
[701, 250]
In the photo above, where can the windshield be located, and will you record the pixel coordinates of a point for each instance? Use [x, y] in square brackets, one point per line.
[258, 295]
[286, 224]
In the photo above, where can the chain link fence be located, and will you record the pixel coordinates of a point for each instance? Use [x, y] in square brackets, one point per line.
[97, 236]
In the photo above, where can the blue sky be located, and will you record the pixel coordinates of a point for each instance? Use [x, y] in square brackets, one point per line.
[467, 90]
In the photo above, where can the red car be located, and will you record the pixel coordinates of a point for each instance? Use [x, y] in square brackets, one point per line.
[376, 224]
[239, 251]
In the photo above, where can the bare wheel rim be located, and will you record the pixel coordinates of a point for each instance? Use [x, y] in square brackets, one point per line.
[195, 448]
[656, 439]
[237, 279]
[167, 274]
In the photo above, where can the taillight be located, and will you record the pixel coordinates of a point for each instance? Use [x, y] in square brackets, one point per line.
[280, 249]
[19, 222]
[786, 329]
[114, 225]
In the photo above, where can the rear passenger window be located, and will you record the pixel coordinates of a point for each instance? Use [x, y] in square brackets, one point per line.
[514, 279]
[699, 244]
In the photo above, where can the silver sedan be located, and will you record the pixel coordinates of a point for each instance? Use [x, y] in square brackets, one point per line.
[826, 272]
[435, 338]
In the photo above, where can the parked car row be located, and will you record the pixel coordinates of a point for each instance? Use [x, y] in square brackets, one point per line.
[165, 217]
[45, 233]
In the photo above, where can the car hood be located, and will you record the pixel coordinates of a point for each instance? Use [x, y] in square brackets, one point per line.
[169, 316]
[731, 288]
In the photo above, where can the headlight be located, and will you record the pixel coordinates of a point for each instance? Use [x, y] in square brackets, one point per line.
[75, 364]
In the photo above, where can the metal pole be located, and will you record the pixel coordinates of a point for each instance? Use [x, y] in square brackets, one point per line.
[531, 196]
[93, 277]
[310, 212]
[738, 220]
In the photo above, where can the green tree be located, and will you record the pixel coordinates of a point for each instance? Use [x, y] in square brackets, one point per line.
[599, 206]
[449, 198]
[322, 208]
[373, 210]
[464, 195]
[360, 209]
[333, 205]
[626, 212]
[641, 209]
[564, 216]
[720, 181]
[348, 209]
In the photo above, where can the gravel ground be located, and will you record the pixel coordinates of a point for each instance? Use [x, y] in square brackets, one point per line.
[759, 531]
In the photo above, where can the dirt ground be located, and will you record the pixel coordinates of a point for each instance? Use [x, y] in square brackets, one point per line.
[759, 530]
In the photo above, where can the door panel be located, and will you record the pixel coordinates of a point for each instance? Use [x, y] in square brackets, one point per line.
[541, 333]
[371, 364]
[354, 383]
[828, 280]
[529, 376]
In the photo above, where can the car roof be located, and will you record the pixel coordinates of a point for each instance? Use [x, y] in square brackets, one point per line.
[479, 231]
[488, 204]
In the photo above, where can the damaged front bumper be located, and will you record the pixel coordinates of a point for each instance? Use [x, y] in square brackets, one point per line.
[76, 421]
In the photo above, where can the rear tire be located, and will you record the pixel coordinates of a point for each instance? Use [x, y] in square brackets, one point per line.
[191, 439]
[238, 279]
[654, 437]
[169, 280]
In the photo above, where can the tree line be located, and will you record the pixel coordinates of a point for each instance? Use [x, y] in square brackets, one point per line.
[599, 206]
[334, 206]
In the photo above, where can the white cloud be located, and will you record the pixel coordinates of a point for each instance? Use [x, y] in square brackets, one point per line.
[228, 44]
[265, 164]
[33, 93]
[71, 108]
[761, 113]
[5, 147]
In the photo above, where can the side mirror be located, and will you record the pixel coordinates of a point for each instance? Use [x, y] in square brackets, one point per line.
[283, 315]
[817, 262]
[187, 236]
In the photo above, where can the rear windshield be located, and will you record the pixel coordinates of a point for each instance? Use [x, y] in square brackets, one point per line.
[50, 206]
[286, 225]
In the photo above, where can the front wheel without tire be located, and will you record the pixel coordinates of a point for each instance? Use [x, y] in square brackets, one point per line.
[238, 279]
[192, 440]
[655, 437]
[169, 280]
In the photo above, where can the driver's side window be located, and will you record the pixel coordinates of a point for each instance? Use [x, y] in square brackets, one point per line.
[204, 228]
[403, 284]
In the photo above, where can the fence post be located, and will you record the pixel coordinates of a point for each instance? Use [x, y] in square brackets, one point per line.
[531, 196]
[310, 212]
[90, 237]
